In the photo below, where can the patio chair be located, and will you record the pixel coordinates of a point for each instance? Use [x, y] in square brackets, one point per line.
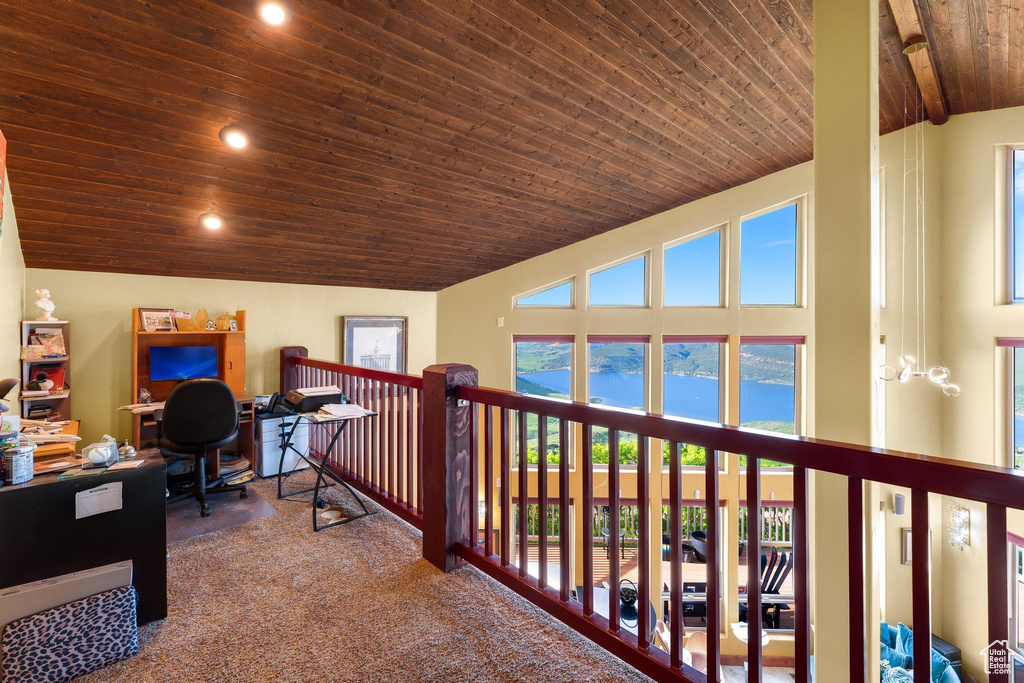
[774, 572]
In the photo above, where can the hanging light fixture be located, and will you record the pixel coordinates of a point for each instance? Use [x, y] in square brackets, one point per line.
[939, 375]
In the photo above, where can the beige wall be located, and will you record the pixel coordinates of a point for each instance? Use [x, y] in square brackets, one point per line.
[12, 293]
[99, 305]
[974, 427]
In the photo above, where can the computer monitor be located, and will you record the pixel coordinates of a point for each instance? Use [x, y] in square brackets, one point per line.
[182, 362]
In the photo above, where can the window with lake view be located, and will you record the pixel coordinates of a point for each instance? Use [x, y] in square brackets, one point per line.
[768, 385]
[617, 376]
[543, 368]
[692, 388]
[624, 284]
[693, 272]
[768, 262]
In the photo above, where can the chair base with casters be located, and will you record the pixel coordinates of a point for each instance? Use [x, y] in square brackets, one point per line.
[199, 488]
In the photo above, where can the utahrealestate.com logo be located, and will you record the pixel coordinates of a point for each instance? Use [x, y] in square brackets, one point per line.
[997, 658]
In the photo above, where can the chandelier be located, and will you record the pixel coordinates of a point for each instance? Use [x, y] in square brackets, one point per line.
[907, 370]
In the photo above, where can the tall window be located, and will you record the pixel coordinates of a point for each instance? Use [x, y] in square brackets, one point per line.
[1016, 594]
[1015, 414]
[768, 385]
[1016, 222]
[693, 272]
[559, 296]
[543, 368]
[617, 376]
[624, 284]
[768, 259]
[692, 386]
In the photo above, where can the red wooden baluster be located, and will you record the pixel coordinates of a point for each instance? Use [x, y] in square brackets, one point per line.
[801, 567]
[921, 576]
[410, 430]
[998, 580]
[587, 519]
[378, 436]
[399, 441]
[542, 498]
[419, 450]
[613, 530]
[675, 604]
[524, 496]
[858, 636]
[390, 388]
[753, 570]
[474, 485]
[506, 489]
[565, 552]
[488, 480]
[714, 562]
[643, 497]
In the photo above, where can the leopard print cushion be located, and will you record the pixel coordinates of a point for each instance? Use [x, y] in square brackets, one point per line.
[64, 642]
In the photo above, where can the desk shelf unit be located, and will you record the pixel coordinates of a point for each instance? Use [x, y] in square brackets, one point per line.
[60, 403]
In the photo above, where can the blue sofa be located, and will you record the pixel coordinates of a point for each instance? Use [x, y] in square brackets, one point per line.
[898, 650]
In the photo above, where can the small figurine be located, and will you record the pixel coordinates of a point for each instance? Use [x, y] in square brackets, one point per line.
[145, 396]
[126, 450]
[46, 305]
[40, 383]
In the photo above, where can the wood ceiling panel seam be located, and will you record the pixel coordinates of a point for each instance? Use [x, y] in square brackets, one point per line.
[110, 90]
[939, 33]
[707, 122]
[961, 33]
[771, 89]
[578, 74]
[559, 233]
[579, 211]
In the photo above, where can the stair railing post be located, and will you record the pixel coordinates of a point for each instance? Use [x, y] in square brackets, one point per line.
[449, 511]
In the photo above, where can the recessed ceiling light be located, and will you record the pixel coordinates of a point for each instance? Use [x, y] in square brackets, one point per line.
[234, 137]
[273, 12]
[211, 220]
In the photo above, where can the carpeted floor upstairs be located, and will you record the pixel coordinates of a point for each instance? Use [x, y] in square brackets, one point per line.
[273, 601]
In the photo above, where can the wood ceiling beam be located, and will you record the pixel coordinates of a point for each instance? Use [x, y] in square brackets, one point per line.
[908, 21]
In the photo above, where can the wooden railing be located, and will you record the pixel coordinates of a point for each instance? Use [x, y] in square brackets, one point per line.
[381, 456]
[465, 428]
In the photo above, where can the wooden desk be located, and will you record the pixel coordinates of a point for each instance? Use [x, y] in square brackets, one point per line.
[41, 538]
[58, 450]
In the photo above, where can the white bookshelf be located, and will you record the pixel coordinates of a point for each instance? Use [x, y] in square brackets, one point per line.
[61, 403]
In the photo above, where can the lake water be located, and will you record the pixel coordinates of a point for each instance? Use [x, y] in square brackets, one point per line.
[693, 397]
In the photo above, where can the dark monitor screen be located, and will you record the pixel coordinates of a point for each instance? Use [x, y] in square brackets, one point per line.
[182, 362]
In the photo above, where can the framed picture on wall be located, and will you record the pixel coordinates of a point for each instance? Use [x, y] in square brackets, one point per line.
[156, 319]
[375, 342]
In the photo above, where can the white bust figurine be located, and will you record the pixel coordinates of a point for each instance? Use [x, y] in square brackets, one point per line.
[45, 305]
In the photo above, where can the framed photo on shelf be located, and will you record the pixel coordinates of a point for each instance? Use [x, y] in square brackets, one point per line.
[375, 342]
[156, 319]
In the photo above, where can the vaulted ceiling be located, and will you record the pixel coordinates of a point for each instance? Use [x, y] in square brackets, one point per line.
[413, 144]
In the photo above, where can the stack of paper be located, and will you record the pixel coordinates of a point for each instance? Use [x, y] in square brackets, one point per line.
[333, 411]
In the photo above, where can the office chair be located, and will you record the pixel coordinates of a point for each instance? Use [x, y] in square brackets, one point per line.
[199, 417]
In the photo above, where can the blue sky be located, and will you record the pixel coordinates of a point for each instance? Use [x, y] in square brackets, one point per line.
[768, 258]
[559, 295]
[692, 272]
[621, 285]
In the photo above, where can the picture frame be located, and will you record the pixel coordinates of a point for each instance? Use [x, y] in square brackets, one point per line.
[156, 319]
[376, 342]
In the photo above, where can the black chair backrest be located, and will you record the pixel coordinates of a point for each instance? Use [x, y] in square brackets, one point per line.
[766, 571]
[785, 567]
[200, 411]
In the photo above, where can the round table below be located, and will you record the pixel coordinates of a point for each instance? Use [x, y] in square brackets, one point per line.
[629, 617]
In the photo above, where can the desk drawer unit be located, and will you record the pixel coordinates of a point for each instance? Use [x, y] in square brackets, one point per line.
[269, 436]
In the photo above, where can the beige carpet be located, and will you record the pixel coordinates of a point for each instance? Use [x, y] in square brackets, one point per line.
[274, 601]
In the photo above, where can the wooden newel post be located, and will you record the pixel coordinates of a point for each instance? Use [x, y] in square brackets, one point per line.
[289, 373]
[449, 511]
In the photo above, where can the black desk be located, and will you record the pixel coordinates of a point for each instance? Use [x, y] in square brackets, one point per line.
[334, 427]
[40, 537]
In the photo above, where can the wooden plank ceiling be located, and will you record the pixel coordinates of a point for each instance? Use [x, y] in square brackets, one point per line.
[413, 144]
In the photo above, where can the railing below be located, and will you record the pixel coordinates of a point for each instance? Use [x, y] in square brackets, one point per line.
[459, 440]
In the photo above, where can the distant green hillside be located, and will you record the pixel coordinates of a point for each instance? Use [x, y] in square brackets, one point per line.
[525, 386]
